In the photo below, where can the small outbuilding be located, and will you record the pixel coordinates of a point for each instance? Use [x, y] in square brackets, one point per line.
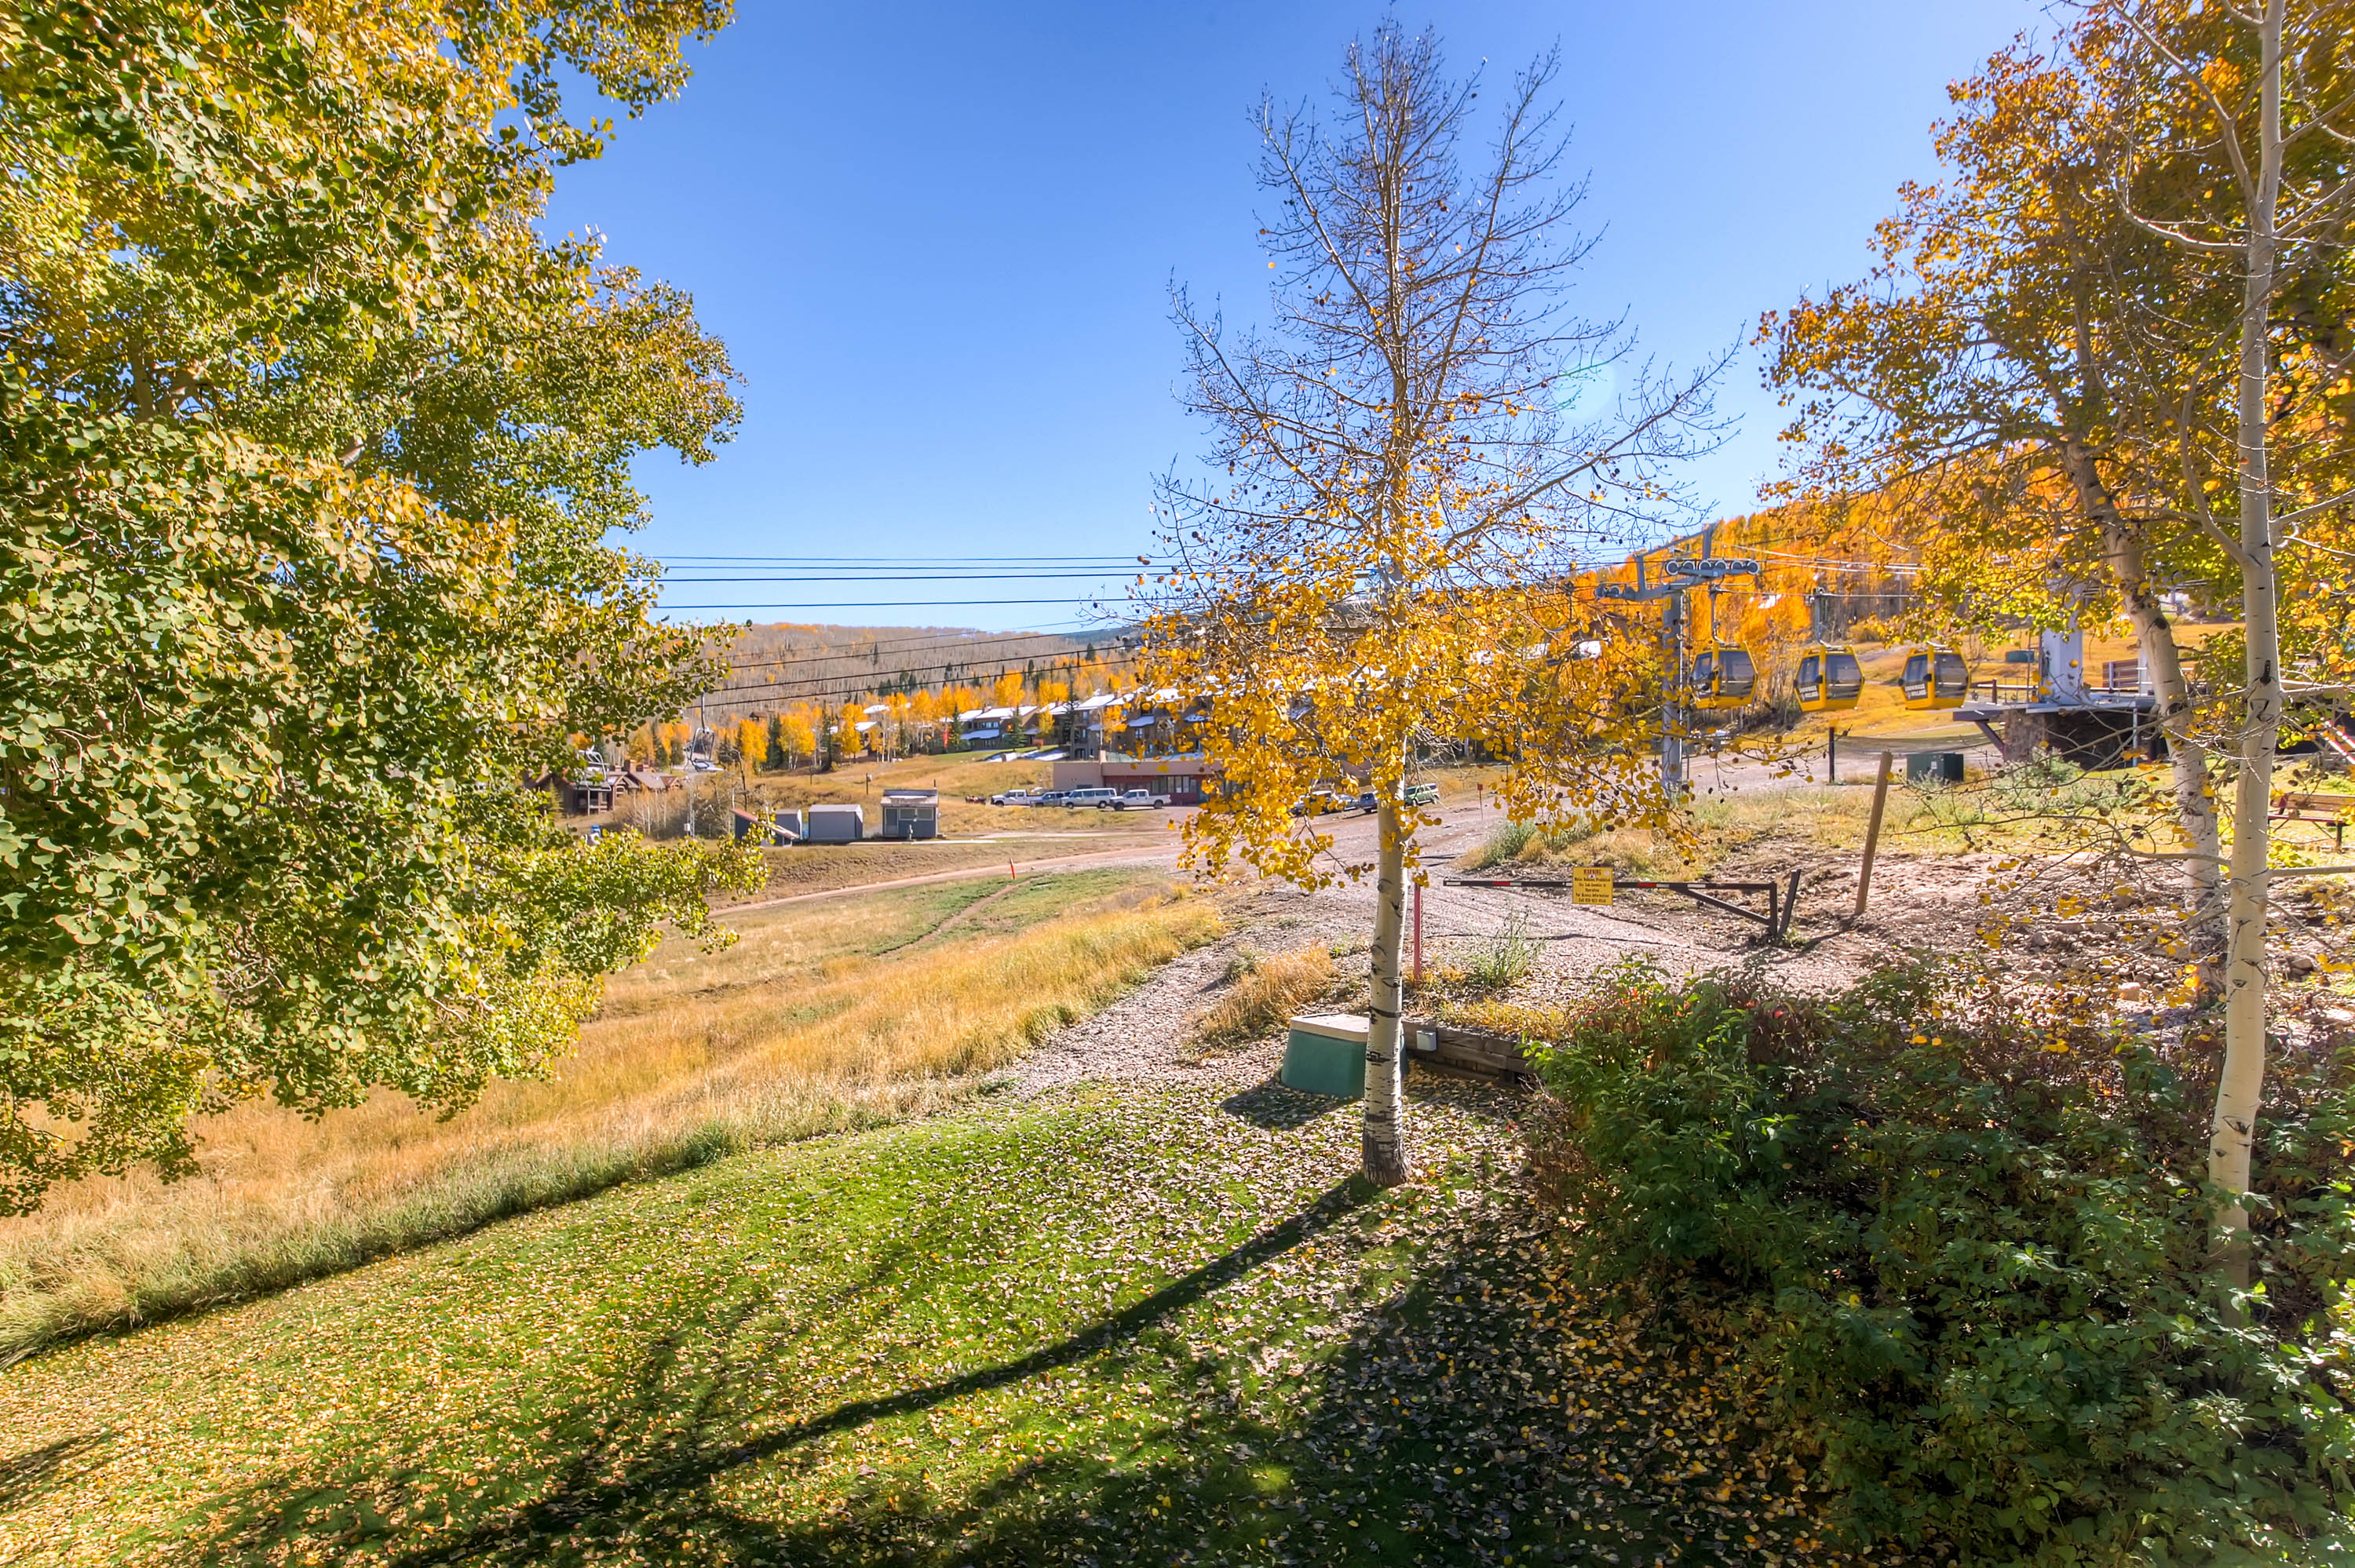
[776, 832]
[836, 824]
[910, 814]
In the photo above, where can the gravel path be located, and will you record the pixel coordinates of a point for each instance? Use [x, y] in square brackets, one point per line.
[1146, 1037]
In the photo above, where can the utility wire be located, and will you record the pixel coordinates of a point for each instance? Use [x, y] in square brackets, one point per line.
[882, 603]
[872, 651]
[808, 687]
[851, 679]
[882, 561]
[915, 578]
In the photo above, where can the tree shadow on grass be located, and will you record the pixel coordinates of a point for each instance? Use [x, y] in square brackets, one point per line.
[653, 1489]
[1277, 1108]
[24, 1477]
[1446, 1418]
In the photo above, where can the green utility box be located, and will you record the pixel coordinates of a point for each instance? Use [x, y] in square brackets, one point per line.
[1934, 767]
[1326, 1055]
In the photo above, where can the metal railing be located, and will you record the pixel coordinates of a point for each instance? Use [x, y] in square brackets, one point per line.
[2025, 692]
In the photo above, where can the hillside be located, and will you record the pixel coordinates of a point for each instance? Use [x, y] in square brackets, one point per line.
[809, 1023]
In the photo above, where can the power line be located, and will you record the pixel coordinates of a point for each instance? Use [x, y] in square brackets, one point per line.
[882, 561]
[810, 687]
[875, 651]
[880, 603]
[916, 577]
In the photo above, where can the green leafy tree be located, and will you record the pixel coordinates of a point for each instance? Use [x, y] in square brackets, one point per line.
[308, 449]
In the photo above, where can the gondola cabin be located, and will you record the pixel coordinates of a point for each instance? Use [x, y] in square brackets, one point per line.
[1723, 677]
[1934, 678]
[1831, 681]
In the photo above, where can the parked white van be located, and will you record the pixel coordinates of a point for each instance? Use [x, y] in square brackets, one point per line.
[1097, 798]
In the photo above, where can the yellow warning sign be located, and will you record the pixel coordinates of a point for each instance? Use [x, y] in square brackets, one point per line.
[1590, 884]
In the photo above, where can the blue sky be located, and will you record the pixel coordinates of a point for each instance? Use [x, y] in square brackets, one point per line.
[938, 239]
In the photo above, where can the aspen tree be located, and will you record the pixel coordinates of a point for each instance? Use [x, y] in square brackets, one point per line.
[310, 449]
[1993, 383]
[1386, 561]
[2260, 104]
[2117, 341]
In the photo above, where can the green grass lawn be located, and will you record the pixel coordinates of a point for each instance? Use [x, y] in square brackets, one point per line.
[1106, 1326]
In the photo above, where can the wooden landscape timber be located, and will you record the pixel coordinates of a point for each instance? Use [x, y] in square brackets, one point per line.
[1456, 1049]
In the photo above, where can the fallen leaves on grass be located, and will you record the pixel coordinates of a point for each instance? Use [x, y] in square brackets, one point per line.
[1105, 1328]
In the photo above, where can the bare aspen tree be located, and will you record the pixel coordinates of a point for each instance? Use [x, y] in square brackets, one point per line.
[1408, 479]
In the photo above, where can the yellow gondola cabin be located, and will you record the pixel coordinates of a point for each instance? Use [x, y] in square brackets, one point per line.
[1723, 677]
[1831, 681]
[1934, 678]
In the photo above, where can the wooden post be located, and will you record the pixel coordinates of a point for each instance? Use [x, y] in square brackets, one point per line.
[1831, 752]
[1418, 933]
[1872, 833]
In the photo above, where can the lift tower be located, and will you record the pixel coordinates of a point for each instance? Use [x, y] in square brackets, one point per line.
[1680, 575]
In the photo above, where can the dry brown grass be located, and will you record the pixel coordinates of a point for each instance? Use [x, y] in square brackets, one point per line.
[821, 1018]
[1265, 993]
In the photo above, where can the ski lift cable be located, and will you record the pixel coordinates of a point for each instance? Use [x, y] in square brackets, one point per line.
[807, 687]
[880, 603]
[921, 645]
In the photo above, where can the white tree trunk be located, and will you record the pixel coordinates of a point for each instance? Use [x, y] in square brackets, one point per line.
[2240, 1090]
[1385, 1146]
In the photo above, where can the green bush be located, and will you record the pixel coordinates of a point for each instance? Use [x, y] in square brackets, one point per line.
[1969, 1247]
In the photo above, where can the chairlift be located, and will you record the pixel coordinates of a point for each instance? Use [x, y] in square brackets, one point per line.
[1934, 678]
[1722, 677]
[1830, 680]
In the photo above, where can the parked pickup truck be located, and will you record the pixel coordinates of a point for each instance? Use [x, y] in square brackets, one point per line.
[1016, 797]
[1141, 800]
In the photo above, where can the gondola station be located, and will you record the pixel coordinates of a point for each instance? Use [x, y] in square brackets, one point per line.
[2107, 725]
